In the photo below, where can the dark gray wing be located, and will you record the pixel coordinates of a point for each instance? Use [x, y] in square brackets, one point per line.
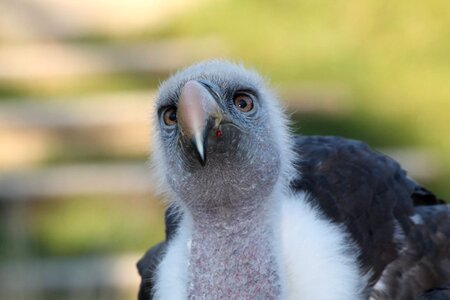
[423, 263]
[147, 264]
[372, 196]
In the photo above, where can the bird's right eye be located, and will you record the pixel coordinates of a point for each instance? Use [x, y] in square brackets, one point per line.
[170, 116]
[243, 102]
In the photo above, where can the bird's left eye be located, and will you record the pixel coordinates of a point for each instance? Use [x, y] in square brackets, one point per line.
[243, 102]
[170, 116]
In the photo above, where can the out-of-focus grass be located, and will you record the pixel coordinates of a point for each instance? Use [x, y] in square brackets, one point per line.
[95, 225]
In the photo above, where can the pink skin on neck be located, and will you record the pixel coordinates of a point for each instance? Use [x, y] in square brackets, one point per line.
[232, 257]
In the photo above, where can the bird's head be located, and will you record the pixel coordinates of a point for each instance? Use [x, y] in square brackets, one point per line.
[221, 137]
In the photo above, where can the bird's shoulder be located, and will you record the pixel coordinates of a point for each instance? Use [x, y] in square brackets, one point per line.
[364, 190]
[347, 175]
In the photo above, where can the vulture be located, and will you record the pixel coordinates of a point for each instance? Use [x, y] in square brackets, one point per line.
[254, 212]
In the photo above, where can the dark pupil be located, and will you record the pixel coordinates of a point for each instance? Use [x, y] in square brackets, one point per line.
[242, 103]
[173, 116]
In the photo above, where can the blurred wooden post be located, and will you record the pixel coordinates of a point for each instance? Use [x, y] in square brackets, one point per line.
[17, 239]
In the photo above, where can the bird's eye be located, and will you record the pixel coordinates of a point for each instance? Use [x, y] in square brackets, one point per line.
[170, 116]
[243, 102]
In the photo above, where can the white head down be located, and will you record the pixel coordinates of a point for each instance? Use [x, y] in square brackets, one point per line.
[221, 138]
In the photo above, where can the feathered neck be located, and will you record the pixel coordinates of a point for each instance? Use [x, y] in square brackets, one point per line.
[233, 255]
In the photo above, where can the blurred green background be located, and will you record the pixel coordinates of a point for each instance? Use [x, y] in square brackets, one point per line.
[77, 80]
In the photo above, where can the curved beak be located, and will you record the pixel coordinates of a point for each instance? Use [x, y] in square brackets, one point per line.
[197, 113]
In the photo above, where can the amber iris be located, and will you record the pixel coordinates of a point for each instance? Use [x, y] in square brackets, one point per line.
[170, 116]
[243, 102]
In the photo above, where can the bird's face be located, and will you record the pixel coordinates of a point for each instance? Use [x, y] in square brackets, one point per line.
[216, 135]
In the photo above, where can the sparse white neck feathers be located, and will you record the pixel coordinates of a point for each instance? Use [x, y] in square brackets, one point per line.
[232, 254]
[290, 260]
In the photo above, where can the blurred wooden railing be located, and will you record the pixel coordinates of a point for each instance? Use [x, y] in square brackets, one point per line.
[43, 47]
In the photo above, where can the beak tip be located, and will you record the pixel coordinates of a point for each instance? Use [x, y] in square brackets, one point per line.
[199, 146]
[203, 161]
[201, 158]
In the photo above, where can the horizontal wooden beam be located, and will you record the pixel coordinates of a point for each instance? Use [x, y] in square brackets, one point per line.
[73, 180]
[65, 61]
[111, 109]
[25, 20]
[30, 276]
